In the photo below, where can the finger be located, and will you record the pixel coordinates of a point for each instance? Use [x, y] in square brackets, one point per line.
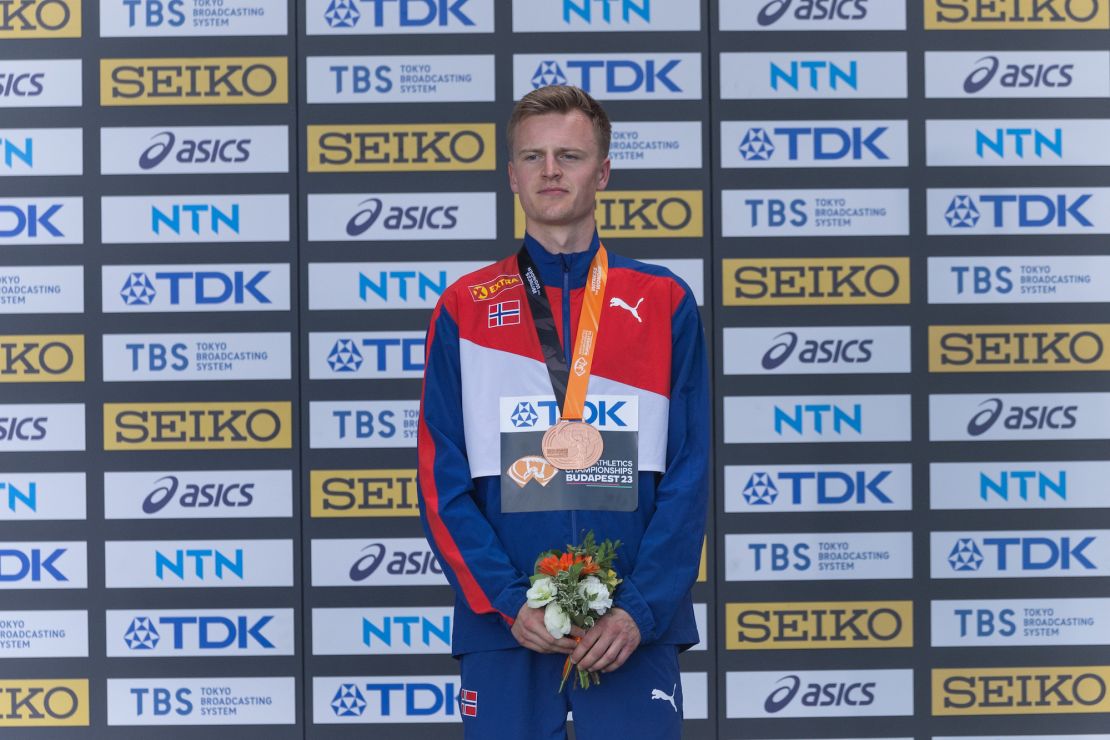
[576, 631]
[620, 659]
[606, 659]
[586, 644]
[589, 661]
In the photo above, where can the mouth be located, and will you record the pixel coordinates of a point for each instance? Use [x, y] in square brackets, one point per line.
[553, 191]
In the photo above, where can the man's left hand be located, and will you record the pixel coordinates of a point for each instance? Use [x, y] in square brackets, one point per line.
[607, 645]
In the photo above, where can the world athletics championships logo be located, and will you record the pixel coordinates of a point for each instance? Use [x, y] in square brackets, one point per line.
[756, 146]
[342, 14]
[548, 73]
[138, 290]
[348, 701]
[760, 490]
[962, 213]
[965, 555]
[345, 357]
[141, 634]
[524, 415]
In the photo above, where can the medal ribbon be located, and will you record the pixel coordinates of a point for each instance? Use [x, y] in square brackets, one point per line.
[569, 383]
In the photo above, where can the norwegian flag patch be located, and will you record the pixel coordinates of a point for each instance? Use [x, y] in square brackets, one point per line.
[505, 313]
[468, 700]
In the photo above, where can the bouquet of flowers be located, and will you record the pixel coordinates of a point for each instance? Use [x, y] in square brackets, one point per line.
[575, 586]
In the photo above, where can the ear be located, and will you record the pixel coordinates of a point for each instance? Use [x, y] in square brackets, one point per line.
[512, 179]
[603, 175]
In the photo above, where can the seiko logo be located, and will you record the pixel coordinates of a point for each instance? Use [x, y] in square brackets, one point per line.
[401, 218]
[37, 702]
[1019, 347]
[819, 281]
[814, 352]
[401, 147]
[364, 493]
[194, 81]
[1017, 75]
[23, 17]
[820, 625]
[813, 10]
[834, 694]
[1015, 13]
[1047, 690]
[644, 214]
[41, 358]
[417, 562]
[199, 496]
[193, 151]
[1021, 417]
[177, 425]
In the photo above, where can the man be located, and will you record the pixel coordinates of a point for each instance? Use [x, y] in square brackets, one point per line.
[490, 502]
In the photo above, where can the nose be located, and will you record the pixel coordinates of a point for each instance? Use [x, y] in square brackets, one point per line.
[551, 166]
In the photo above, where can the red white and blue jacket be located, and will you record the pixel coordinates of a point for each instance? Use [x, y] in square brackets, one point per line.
[480, 349]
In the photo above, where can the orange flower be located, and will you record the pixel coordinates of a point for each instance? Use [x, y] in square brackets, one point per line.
[591, 567]
[552, 565]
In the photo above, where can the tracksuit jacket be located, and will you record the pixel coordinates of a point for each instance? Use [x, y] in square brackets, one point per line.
[478, 350]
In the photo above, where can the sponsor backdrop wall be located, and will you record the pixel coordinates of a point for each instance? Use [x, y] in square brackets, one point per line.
[224, 223]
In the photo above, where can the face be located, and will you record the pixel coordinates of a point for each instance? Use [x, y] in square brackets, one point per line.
[556, 169]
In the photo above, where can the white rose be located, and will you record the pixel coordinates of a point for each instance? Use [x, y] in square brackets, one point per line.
[594, 591]
[556, 620]
[541, 593]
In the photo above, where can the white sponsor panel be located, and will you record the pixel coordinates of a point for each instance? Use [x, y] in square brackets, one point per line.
[195, 287]
[385, 699]
[656, 145]
[365, 355]
[119, 18]
[813, 75]
[54, 289]
[202, 701]
[43, 427]
[553, 16]
[626, 76]
[40, 83]
[41, 496]
[198, 494]
[182, 219]
[44, 634]
[198, 563]
[972, 212]
[42, 220]
[844, 693]
[1017, 143]
[701, 619]
[168, 633]
[359, 424]
[816, 350]
[1019, 279]
[1017, 74]
[401, 217]
[1039, 553]
[761, 489]
[420, 630]
[40, 151]
[855, 212]
[977, 417]
[1005, 622]
[690, 271]
[43, 565]
[375, 562]
[695, 695]
[1022, 737]
[1019, 485]
[338, 286]
[773, 144]
[851, 556]
[347, 17]
[817, 419]
[401, 79]
[232, 356]
[193, 150]
[806, 15]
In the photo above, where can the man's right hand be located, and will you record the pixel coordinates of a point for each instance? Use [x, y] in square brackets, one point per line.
[530, 631]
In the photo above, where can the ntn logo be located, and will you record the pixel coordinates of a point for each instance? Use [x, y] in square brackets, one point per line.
[389, 628]
[584, 9]
[996, 141]
[805, 417]
[13, 151]
[818, 72]
[1025, 482]
[426, 286]
[25, 495]
[194, 211]
[175, 563]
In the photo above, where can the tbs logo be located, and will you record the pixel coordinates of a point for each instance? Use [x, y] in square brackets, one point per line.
[982, 280]
[407, 14]
[1007, 554]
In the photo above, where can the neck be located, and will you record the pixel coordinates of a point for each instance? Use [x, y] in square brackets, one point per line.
[563, 239]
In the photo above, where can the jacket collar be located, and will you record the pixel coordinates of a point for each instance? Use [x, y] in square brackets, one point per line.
[551, 266]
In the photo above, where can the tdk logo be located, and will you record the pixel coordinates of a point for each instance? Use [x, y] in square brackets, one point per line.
[1012, 553]
[200, 218]
[406, 14]
[155, 13]
[545, 413]
[400, 699]
[193, 151]
[815, 74]
[407, 630]
[1020, 417]
[1017, 75]
[401, 218]
[524, 415]
[814, 143]
[834, 694]
[610, 76]
[348, 355]
[818, 419]
[398, 284]
[31, 564]
[1022, 484]
[813, 10]
[198, 632]
[824, 487]
[31, 220]
[198, 288]
[348, 701]
[206, 564]
[13, 150]
[1025, 211]
[1018, 142]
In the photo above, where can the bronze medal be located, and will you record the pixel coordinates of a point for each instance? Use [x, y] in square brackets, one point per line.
[572, 445]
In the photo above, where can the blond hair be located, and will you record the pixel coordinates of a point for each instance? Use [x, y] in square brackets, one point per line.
[561, 99]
